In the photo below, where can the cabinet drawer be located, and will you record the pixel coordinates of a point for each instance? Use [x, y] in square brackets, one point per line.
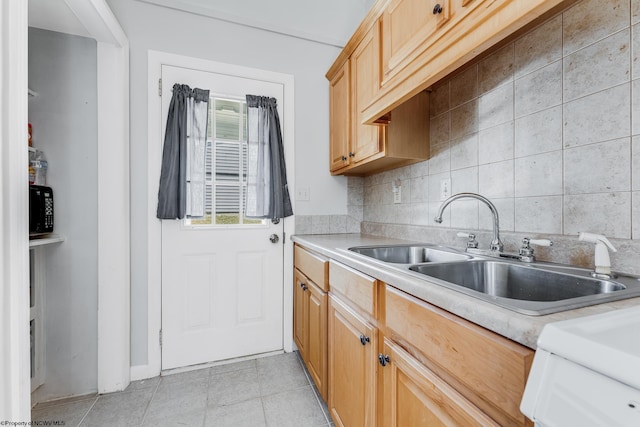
[314, 266]
[358, 288]
[492, 369]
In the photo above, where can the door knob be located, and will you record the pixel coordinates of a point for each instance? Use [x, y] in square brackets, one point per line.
[274, 238]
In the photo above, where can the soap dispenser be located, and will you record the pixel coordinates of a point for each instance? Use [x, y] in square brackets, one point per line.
[602, 260]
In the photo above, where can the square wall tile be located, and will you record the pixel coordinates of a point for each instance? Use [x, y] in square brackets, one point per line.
[419, 189]
[420, 169]
[464, 180]
[598, 168]
[464, 86]
[635, 106]
[440, 160]
[338, 224]
[635, 231]
[539, 175]
[599, 117]
[539, 90]
[597, 67]
[538, 214]
[439, 99]
[496, 180]
[635, 163]
[539, 47]
[496, 69]
[602, 213]
[320, 224]
[355, 212]
[420, 214]
[355, 195]
[635, 51]
[505, 209]
[495, 107]
[439, 129]
[464, 119]
[464, 214]
[303, 224]
[591, 20]
[464, 152]
[496, 144]
[539, 132]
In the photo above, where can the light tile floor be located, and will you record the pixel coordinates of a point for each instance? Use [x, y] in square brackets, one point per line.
[272, 391]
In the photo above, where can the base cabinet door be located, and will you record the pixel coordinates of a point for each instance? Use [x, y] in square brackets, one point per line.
[413, 396]
[300, 309]
[352, 367]
[316, 359]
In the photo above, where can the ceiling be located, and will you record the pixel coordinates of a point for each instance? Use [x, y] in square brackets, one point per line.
[329, 21]
[55, 15]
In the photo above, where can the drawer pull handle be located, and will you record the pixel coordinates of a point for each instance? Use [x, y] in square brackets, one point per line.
[364, 340]
[383, 359]
[437, 9]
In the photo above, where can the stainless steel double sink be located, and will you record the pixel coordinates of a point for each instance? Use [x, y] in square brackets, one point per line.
[528, 288]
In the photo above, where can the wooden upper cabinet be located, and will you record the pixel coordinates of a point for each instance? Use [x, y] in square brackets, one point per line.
[407, 24]
[340, 118]
[365, 84]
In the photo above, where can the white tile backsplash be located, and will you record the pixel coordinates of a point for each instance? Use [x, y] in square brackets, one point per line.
[591, 20]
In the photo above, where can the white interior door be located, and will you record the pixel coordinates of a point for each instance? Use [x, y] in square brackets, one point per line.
[222, 276]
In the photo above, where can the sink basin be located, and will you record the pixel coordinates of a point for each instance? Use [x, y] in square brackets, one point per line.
[409, 254]
[514, 281]
[529, 289]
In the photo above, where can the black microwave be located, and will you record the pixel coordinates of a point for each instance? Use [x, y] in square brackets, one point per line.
[40, 209]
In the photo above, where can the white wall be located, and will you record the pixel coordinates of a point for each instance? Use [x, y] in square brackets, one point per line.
[63, 69]
[151, 27]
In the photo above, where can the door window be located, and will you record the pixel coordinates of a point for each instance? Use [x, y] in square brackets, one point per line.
[226, 160]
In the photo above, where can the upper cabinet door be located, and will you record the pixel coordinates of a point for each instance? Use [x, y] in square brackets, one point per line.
[365, 83]
[406, 25]
[339, 118]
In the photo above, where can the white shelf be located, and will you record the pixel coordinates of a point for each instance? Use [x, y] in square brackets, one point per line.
[48, 240]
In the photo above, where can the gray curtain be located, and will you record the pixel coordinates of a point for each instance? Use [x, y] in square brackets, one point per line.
[181, 191]
[267, 192]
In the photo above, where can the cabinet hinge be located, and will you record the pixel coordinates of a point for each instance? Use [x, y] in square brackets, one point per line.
[160, 337]
[160, 86]
[284, 237]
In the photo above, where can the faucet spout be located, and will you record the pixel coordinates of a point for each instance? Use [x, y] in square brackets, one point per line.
[496, 243]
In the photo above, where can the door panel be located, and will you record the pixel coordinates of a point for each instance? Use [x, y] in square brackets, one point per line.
[222, 278]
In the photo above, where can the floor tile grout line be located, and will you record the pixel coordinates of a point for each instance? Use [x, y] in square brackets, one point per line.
[146, 410]
[90, 408]
[313, 390]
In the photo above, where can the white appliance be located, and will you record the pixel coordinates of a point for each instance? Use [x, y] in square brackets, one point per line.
[586, 372]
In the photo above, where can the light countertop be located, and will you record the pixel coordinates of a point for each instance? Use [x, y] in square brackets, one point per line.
[518, 327]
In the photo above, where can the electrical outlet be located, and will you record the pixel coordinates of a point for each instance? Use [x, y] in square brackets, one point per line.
[302, 194]
[397, 194]
[445, 188]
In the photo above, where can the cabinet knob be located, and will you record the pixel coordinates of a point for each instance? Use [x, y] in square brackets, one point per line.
[304, 287]
[383, 359]
[344, 158]
[352, 154]
[364, 339]
[437, 9]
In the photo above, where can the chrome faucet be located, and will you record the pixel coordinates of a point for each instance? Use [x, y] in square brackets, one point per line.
[496, 243]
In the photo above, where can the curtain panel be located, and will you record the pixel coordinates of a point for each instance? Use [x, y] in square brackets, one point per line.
[267, 192]
[182, 176]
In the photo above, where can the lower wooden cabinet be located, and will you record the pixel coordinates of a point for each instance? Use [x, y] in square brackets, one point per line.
[352, 367]
[310, 328]
[413, 396]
